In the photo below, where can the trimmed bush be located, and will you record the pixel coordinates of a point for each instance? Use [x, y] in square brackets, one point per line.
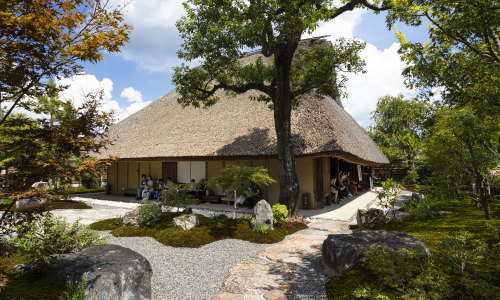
[280, 213]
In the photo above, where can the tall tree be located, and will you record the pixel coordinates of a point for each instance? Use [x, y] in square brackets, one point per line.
[42, 39]
[216, 31]
[462, 57]
[465, 147]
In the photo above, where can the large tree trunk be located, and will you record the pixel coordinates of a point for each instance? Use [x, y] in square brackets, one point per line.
[483, 195]
[289, 182]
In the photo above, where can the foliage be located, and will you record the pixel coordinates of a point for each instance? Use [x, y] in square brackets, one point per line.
[63, 204]
[148, 214]
[34, 285]
[41, 40]
[388, 196]
[439, 280]
[178, 196]
[428, 209]
[232, 178]
[52, 235]
[75, 290]
[215, 33]
[119, 220]
[462, 57]
[462, 148]
[280, 213]
[207, 232]
[258, 227]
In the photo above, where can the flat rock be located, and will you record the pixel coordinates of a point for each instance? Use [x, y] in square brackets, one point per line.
[275, 295]
[285, 258]
[256, 276]
[341, 252]
[229, 296]
[314, 237]
[329, 225]
[254, 297]
[277, 249]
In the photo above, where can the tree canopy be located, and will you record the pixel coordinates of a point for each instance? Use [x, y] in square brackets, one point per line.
[43, 39]
[461, 60]
[216, 33]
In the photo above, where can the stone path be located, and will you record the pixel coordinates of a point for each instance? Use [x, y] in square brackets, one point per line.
[270, 275]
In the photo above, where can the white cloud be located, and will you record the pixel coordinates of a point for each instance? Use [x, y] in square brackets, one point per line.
[155, 39]
[131, 95]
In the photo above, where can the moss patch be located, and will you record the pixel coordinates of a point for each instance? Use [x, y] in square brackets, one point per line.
[29, 285]
[64, 204]
[208, 232]
[463, 217]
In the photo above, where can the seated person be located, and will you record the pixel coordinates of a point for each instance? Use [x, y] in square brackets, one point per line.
[192, 187]
[344, 192]
[201, 190]
[255, 196]
[148, 189]
[143, 185]
[161, 186]
[352, 184]
[334, 191]
[168, 184]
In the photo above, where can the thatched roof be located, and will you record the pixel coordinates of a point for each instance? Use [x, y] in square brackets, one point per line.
[237, 128]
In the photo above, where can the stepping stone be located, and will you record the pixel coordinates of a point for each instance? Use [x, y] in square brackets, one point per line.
[276, 249]
[275, 295]
[256, 276]
[330, 225]
[285, 258]
[253, 297]
[229, 296]
[314, 237]
[314, 232]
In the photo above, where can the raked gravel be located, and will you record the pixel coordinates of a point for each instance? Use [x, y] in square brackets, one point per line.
[189, 273]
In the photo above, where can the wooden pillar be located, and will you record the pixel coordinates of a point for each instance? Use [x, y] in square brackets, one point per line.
[127, 177]
[337, 171]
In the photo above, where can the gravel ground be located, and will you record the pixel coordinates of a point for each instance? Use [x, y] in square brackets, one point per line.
[189, 273]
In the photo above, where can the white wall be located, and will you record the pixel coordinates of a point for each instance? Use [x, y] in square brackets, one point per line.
[187, 170]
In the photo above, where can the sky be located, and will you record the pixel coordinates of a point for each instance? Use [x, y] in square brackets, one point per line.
[142, 72]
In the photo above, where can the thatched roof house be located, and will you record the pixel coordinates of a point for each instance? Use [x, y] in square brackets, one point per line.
[235, 130]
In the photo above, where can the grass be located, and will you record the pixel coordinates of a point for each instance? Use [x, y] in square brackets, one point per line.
[209, 231]
[65, 204]
[463, 217]
[36, 284]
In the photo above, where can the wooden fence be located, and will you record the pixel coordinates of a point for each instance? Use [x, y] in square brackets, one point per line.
[396, 172]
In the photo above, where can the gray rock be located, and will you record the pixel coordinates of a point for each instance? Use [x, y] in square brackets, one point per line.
[370, 217]
[263, 214]
[188, 210]
[223, 216]
[341, 252]
[40, 185]
[132, 218]
[185, 222]
[30, 202]
[419, 197]
[115, 272]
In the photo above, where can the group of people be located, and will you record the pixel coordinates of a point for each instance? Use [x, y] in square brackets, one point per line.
[146, 189]
[345, 188]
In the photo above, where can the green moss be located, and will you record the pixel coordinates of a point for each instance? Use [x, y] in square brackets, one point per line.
[463, 216]
[208, 232]
[64, 204]
[30, 285]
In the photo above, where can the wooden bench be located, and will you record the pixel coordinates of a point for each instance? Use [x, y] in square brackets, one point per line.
[227, 199]
[125, 193]
[212, 198]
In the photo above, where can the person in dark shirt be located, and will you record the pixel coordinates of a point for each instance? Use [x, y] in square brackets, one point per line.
[144, 184]
[201, 191]
[255, 196]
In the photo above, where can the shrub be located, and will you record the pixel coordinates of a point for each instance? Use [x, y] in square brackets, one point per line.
[119, 220]
[178, 196]
[52, 235]
[148, 214]
[425, 210]
[280, 213]
[388, 196]
[260, 228]
[74, 290]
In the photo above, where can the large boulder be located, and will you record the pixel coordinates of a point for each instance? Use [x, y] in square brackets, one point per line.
[340, 252]
[40, 185]
[263, 214]
[30, 202]
[132, 217]
[418, 196]
[115, 272]
[185, 222]
[370, 217]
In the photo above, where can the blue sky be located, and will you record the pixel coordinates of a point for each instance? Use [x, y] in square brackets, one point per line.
[141, 73]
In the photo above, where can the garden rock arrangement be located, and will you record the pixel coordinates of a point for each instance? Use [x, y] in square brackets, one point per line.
[30, 202]
[185, 222]
[370, 217]
[115, 272]
[132, 218]
[263, 214]
[342, 252]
